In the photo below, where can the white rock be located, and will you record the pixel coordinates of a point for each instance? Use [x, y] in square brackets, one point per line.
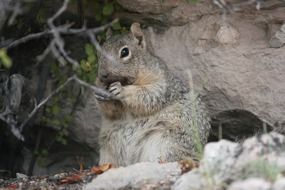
[191, 180]
[219, 159]
[186, 181]
[21, 176]
[250, 184]
[268, 147]
[279, 184]
[136, 175]
[227, 34]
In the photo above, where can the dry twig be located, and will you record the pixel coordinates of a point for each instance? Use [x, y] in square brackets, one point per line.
[98, 92]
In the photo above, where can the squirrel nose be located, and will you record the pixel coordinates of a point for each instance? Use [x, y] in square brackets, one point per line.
[104, 75]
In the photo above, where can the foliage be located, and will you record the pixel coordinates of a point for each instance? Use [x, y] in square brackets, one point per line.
[88, 66]
[55, 116]
[192, 1]
[194, 120]
[42, 155]
[5, 60]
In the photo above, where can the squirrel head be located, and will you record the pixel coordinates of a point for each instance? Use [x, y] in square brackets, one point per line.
[127, 52]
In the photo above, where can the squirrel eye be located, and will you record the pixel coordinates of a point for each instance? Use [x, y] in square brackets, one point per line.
[124, 52]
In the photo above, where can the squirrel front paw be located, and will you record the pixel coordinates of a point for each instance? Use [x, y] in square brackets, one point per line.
[116, 89]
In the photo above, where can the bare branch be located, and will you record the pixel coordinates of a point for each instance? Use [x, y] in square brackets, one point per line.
[58, 41]
[43, 102]
[17, 10]
[61, 29]
[100, 93]
[27, 38]
[41, 57]
[98, 47]
[58, 13]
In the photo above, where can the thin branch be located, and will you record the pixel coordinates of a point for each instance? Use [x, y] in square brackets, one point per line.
[62, 30]
[41, 57]
[98, 47]
[58, 13]
[98, 91]
[26, 38]
[59, 42]
[43, 102]
[17, 10]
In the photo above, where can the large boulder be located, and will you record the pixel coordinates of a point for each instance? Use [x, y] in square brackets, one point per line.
[232, 63]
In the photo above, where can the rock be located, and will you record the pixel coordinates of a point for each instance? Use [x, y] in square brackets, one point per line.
[167, 12]
[259, 156]
[154, 7]
[21, 176]
[177, 13]
[253, 164]
[252, 184]
[86, 125]
[268, 147]
[136, 176]
[191, 180]
[279, 184]
[219, 159]
[278, 39]
[227, 34]
[244, 77]
[68, 158]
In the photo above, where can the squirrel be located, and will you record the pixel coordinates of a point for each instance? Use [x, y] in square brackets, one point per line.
[153, 116]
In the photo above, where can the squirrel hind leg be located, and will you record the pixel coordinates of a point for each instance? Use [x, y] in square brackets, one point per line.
[157, 144]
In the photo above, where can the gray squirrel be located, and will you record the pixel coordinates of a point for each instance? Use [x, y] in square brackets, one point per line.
[153, 116]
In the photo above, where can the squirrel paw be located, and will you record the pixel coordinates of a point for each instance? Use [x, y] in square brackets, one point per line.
[116, 89]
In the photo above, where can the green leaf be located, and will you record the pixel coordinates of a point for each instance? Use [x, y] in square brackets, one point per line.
[63, 141]
[192, 1]
[89, 49]
[44, 152]
[98, 17]
[55, 109]
[116, 26]
[55, 122]
[36, 152]
[108, 9]
[5, 59]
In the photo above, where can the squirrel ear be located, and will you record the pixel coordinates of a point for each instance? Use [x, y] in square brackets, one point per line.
[108, 33]
[138, 34]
